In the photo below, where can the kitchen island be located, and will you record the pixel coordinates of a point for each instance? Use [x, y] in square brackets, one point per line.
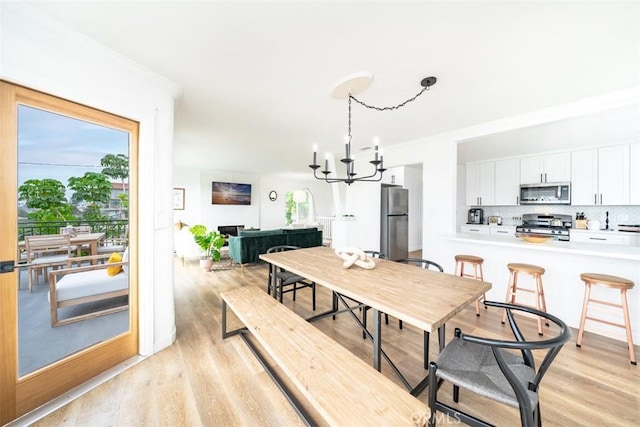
[563, 262]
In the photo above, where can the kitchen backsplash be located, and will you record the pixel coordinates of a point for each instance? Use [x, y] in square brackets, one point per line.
[617, 214]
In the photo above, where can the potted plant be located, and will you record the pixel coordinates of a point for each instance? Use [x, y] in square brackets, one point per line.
[210, 242]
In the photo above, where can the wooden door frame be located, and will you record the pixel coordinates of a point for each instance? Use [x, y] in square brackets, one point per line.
[21, 395]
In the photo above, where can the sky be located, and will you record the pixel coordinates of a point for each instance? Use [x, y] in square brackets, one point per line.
[54, 146]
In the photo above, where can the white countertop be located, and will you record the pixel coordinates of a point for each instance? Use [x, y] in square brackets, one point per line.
[592, 249]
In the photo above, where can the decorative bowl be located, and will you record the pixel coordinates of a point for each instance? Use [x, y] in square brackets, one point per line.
[531, 238]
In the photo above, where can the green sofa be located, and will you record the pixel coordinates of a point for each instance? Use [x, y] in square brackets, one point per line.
[248, 245]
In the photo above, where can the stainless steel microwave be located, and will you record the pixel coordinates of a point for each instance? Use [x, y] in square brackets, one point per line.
[548, 193]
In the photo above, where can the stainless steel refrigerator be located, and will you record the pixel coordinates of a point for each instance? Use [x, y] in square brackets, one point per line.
[394, 227]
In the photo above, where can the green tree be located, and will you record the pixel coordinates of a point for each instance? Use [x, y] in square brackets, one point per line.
[289, 206]
[116, 167]
[47, 196]
[94, 189]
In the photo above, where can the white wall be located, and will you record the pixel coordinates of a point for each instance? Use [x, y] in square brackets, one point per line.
[39, 53]
[263, 213]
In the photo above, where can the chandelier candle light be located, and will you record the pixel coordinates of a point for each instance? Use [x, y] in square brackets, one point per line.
[346, 88]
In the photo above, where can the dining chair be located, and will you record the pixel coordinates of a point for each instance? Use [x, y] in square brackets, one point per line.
[501, 370]
[286, 279]
[44, 251]
[114, 244]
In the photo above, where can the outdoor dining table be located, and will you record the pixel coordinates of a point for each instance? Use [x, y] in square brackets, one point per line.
[426, 299]
[91, 239]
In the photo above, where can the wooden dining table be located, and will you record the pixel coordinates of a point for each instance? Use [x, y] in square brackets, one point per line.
[426, 299]
[90, 239]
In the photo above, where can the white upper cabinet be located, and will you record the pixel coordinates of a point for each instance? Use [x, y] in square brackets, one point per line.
[584, 177]
[507, 182]
[547, 168]
[634, 173]
[393, 176]
[480, 178]
[600, 176]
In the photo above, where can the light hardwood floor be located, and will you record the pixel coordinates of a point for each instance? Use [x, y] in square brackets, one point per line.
[202, 380]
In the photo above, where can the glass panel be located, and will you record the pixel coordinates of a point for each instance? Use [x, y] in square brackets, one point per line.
[73, 184]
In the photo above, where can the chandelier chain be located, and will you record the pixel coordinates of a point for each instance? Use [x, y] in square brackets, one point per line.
[393, 107]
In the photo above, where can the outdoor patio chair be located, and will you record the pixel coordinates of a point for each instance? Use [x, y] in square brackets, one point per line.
[44, 251]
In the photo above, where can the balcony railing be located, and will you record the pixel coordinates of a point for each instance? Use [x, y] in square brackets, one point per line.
[111, 227]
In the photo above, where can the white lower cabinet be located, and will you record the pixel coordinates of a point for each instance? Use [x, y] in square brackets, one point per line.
[502, 231]
[605, 238]
[476, 229]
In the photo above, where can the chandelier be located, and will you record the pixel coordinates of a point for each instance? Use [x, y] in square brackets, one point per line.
[348, 87]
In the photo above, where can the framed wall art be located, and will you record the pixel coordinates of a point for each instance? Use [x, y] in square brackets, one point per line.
[230, 193]
[178, 199]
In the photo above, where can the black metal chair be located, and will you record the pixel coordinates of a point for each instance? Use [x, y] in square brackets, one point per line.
[491, 368]
[286, 279]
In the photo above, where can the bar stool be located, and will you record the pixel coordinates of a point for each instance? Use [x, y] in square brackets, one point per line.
[476, 263]
[612, 282]
[536, 272]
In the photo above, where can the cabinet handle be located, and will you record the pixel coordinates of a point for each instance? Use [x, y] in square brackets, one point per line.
[545, 177]
[503, 232]
[597, 238]
[600, 198]
[517, 200]
[480, 200]
[595, 199]
[541, 178]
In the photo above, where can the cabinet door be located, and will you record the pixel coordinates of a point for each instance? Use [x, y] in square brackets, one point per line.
[601, 238]
[531, 170]
[502, 231]
[480, 184]
[507, 182]
[634, 173]
[393, 176]
[487, 183]
[474, 229]
[613, 175]
[473, 184]
[557, 167]
[584, 177]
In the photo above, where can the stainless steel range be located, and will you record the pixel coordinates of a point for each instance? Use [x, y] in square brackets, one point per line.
[556, 226]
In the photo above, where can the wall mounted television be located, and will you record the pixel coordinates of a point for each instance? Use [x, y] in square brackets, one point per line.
[230, 193]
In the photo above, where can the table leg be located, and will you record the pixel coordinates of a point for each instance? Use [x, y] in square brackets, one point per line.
[377, 335]
[94, 251]
[441, 336]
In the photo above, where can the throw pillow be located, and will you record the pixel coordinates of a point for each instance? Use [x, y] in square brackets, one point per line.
[112, 271]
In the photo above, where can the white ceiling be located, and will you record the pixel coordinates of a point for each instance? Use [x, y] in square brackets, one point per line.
[256, 76]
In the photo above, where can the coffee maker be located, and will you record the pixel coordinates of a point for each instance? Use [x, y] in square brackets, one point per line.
[476, 216]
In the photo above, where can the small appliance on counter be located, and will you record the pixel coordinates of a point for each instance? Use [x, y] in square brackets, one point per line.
[554, 226]
[475, 216]
[494, 220]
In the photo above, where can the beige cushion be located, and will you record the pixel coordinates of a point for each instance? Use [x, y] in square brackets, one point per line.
[87, 283]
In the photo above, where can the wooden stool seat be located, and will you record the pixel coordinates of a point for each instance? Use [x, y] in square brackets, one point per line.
[614, 282]
[476, 263]
[536, 272]
[607, 280]
[469, 258]
[525, 268]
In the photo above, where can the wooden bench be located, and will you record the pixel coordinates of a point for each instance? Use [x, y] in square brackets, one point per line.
[343, 389]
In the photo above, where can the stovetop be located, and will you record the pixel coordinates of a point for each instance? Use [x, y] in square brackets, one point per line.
[629, 227]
